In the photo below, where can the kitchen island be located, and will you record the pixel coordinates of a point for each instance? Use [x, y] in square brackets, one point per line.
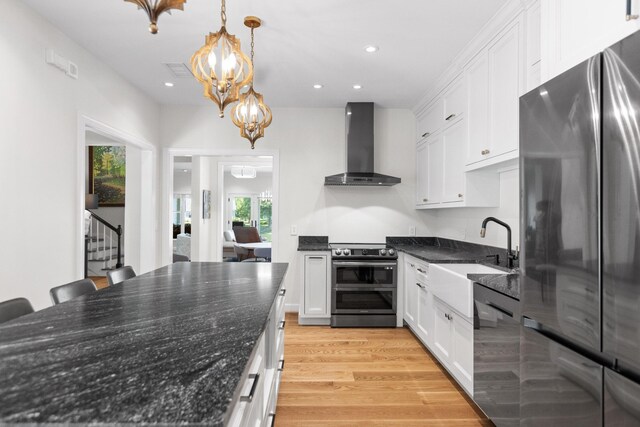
[171, 346]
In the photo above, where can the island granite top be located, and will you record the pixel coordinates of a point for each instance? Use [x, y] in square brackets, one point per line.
[169, 346]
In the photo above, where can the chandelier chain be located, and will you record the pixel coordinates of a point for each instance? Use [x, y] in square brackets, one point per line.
[223, 13]
[252, 45]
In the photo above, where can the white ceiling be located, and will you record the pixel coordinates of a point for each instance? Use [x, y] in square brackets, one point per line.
[301, 42]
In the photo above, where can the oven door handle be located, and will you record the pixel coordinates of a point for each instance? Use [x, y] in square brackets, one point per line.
[364, 264]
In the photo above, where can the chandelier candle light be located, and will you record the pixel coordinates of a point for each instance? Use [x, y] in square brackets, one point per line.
[251, 114]
[154, 8]
[221, 66]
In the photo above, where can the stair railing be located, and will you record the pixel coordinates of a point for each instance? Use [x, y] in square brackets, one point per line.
[101, 230]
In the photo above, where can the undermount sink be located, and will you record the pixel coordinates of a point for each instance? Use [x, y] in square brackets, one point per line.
[449, 283]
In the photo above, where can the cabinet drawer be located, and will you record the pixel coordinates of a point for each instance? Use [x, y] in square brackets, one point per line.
[248, 410]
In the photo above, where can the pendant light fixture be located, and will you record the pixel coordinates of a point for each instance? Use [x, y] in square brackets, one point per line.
[251, 114]
[155, 8]
[221, 66]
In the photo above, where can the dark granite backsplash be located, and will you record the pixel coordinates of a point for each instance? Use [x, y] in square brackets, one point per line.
[313, 243]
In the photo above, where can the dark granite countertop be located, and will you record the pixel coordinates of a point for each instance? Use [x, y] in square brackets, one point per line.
[438, 250]
[169, 346]
[313, 243]
[507, 284]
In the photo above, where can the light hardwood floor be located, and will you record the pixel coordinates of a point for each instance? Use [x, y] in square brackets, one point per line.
[101, 282]
[366, 377]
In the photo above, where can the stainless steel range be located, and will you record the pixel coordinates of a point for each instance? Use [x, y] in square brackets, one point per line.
[364, 289]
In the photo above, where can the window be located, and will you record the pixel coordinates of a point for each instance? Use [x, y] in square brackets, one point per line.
[181, 214]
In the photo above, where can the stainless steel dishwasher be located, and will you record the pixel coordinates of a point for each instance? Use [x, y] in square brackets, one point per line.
[496, 355]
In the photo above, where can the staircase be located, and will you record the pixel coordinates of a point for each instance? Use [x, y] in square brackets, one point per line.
[103, 247]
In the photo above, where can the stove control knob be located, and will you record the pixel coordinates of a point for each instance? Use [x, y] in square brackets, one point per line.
[383, 251]
[392, 252]
[364, 252]
[347, 252]
[338, 252]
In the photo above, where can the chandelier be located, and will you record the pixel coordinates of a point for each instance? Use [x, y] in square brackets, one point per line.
[156, 9]
[221, 66]
[251, 114]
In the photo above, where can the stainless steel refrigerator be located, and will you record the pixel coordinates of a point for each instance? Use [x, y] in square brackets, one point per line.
[580, 237]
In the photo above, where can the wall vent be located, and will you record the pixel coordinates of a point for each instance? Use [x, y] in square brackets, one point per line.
[179, 70]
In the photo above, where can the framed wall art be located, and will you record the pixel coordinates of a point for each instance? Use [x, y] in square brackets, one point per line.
[107, 174]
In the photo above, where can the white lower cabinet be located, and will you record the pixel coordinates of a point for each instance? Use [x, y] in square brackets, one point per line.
[256, 406]
[446, 332]
[315, 301]
[462, 351]
[425, 315]
[442, 331]
[453, 343]
[410, 292]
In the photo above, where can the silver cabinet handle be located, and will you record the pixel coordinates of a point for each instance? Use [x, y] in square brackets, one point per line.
[420, 285]
[484, 152]
[425, 200]
[425, 134]
[421, 270]
[450, 116]
[256, 378]
[282, 323]
[412, 265]
[460, 195]
[281, 367]
[629, 16]
[315, 257]
[282, 292]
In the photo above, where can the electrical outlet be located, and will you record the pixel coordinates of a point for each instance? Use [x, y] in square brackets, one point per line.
[412, 230]
[294, 230]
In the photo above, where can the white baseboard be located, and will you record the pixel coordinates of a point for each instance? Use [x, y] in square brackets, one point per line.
[291, 308]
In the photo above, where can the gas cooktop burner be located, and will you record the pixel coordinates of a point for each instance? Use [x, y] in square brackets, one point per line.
[362, 251]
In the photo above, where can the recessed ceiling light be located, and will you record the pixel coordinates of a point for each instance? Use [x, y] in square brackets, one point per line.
[371, 49]
[357, 87]
[168, 84]
[317, 86]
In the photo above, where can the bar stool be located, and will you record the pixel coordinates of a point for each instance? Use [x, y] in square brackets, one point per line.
[120, 275]
[14, 308]
[72, 290]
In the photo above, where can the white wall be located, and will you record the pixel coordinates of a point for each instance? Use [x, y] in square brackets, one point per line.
[204, 177]
[311, 144]
[261, 183]
[39, 107]
[465, 223]
[181, 182]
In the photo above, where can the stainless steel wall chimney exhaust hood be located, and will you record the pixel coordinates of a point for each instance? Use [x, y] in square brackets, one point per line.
[359, 127]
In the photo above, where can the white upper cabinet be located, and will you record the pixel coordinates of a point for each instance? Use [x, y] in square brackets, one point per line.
[495, 78]
[455, 101]
[478, 117]
[505, 59]
[533, 53]
[435, 169]
[422, 159]
[432, 120]
[454, 142]
[574, 30]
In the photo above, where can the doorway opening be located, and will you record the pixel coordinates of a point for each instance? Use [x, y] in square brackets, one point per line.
[208, 193]
[116, 179]
[106, 188]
